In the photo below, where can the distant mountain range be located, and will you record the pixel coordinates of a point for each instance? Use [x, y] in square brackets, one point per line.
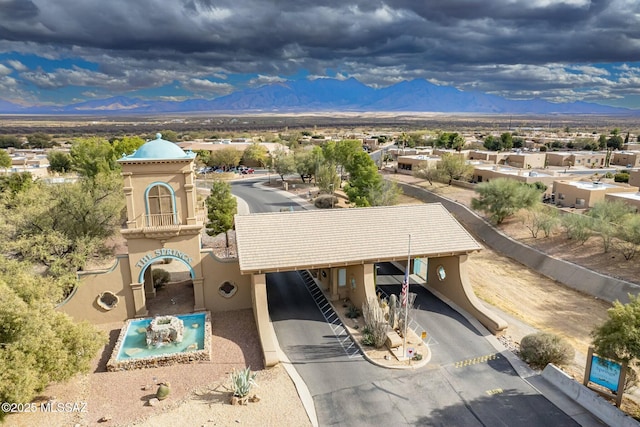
[327, 95]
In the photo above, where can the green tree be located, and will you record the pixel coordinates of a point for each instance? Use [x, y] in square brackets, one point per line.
[577, 227]
[618, 338]
[221, 207]
[92, 156]
[38, 344]
[14, 183]
[283, 163]
[305, 163]
[168, 135]
[425, 170]
[126, 145]
[449, 140]
[602, 142]
[606, 219]
[363, 179]
[227, 157]
[615, 142]
[453, 166]
[59, 161]
[60, 226]
[457, 143]
[40, 140]
[491, 143]
[5, 159]
[256, 153]
[203, 157]
[506, 141]
[7, 141]
[540, 217]
[327, 179]
[628, 234]
[385, 193]
[345, 152]
[503, 197]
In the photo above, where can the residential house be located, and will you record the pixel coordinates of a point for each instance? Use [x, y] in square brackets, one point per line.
[585, 194]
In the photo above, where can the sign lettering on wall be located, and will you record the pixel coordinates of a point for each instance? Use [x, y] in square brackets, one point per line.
[161, 253]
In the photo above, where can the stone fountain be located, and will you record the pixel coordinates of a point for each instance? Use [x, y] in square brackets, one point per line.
[164, 330]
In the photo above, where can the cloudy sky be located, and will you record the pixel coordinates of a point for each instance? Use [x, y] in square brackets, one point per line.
[64, 51]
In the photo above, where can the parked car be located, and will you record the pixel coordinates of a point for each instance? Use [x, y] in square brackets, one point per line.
[246, 170]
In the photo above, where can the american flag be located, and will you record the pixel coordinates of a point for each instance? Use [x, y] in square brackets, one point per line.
[404, 295]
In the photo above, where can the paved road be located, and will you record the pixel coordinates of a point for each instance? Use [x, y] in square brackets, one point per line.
[466, 383]
[259, 198]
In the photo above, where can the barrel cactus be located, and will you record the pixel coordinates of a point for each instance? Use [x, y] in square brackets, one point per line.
[163, 391]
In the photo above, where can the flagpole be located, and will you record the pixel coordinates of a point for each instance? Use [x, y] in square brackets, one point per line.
[405, 299]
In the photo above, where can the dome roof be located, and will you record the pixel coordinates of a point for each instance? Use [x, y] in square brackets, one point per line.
[159, 149]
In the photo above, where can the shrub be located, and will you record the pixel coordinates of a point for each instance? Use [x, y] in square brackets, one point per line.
[325, 201]
[160, 277]
[242, 381]
[353, 312]
[621, 177]
[375, 322]
[367, 336]
[543, 348]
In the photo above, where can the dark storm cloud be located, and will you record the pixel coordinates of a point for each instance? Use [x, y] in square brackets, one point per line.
[496, 45]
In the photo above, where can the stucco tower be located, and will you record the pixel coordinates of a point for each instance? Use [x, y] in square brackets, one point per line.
[164, 217]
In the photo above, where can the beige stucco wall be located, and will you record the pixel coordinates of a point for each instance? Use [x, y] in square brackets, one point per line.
[494, 157]
[634, 178]
[526, 161]
[81, 304]
[457, 288]
[567, 195]
[633, 203]
[184, 244]
[263, 321]
[625, 158]
[360, 283]
[216, 271]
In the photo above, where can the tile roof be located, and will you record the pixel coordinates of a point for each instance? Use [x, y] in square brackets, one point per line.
[281, 241]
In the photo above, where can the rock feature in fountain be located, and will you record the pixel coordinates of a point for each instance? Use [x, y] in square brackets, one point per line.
[165, 330]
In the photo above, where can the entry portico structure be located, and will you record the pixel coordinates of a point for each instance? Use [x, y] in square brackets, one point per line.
[165, 219]
[341, 247]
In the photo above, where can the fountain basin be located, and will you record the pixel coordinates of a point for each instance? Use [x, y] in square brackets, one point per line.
[132, 351]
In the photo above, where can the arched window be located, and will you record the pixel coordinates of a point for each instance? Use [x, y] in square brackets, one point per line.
[160, 206]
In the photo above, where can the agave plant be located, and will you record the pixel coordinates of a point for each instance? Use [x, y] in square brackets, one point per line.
[242, 381]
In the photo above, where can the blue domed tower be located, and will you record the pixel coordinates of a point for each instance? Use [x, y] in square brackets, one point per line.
[164, 216]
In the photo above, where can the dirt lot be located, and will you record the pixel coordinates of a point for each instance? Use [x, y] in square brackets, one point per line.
[538, 301]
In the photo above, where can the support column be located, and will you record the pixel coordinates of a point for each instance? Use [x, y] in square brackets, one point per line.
[263, 322]
[198, 295]
[333, 284]
[149, 288]
[139, 301]
[190, 192]
[448, 275]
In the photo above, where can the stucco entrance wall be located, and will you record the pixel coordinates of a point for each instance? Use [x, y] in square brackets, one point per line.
[82, 302]
[216, 271]
[183, 248]
[456, 287]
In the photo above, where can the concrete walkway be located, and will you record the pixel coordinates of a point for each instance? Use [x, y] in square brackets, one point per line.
[570, 274]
